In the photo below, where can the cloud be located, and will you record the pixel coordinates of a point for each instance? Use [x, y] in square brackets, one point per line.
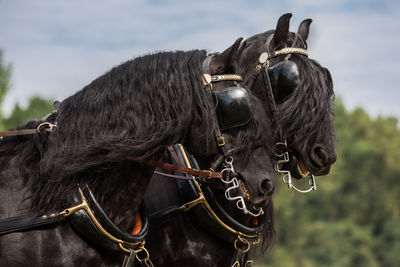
[57, 47]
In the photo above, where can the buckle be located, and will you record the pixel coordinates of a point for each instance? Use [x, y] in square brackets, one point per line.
[220, 141]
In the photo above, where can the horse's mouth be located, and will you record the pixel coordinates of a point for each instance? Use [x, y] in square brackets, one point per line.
[253, 202]
[302, 169]
[297, 167]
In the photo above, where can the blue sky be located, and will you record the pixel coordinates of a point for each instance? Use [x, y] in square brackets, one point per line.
[57, 47]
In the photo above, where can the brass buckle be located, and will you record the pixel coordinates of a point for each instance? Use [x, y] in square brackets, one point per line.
[220, 141]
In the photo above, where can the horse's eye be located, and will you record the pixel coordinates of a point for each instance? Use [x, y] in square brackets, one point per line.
[284, 79]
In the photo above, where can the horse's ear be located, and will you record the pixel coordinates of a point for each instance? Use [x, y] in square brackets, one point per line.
[281, 33]
[304, 29]
[226, 61]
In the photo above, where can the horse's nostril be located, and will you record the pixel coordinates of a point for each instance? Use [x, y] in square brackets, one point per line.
[319, 156]
[266, 187]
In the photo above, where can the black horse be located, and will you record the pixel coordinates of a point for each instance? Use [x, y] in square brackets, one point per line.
[90, 169]
[302, 93]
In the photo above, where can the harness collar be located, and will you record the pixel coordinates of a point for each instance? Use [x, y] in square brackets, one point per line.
[199, 203]
[205, 210]
[89, 218]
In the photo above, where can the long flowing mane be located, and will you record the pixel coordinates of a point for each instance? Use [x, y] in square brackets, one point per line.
[135, 110]
[310, 106]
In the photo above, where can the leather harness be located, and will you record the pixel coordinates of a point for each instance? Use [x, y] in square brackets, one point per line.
[204, 209]
[90, 219]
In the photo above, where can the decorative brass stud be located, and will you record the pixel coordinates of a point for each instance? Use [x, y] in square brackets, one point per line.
[206, 79]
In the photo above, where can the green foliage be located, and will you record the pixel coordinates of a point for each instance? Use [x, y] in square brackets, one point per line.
[353, 219]
[36, 109]
[5, 72]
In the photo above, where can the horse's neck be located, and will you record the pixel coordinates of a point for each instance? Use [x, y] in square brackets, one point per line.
[121, 197]
[14, 194]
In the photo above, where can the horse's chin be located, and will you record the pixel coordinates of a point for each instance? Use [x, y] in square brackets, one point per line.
[253, 204]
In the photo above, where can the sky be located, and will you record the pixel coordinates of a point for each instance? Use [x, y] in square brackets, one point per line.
[58, 47]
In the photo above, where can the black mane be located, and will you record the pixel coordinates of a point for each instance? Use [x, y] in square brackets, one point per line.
[310, 106]
[135, 110]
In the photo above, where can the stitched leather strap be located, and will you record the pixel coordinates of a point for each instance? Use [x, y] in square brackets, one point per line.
[20, 223]
[169, 167]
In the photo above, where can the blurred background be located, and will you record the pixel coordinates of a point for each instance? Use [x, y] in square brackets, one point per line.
[51, 49]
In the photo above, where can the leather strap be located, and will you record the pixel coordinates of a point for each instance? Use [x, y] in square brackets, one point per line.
[129, 259]
[16, 224]
[270, 94]
[43, 127]
[169, 167]
[173, 175]
[18, 132]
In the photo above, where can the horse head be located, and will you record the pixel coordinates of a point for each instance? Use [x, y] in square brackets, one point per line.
[241, 149]
[300, 99]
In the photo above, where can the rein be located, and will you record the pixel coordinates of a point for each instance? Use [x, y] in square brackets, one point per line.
[207, 174]
[43, 127]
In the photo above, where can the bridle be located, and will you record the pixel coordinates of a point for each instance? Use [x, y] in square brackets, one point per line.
[224, 98]
[264, 67]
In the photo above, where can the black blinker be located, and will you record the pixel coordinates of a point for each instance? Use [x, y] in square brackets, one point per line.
[233, 107]
[285, 78]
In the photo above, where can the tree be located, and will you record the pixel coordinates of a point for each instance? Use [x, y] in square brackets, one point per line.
[36, 109]
[353, 219]
[5, 72]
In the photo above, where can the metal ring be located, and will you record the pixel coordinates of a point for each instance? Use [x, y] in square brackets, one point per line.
[140, 250]
[47, 125]
[123, 248]
[226, 181]
[229, 160]
[248, 262]
[244, 241]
